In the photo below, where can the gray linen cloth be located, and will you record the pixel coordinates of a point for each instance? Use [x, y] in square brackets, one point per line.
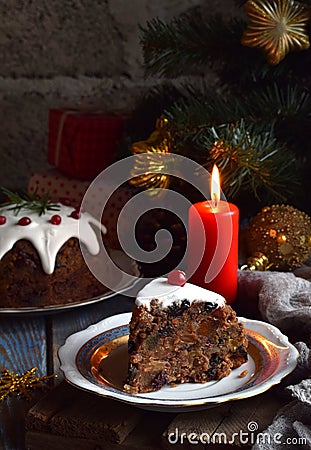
[284, 300]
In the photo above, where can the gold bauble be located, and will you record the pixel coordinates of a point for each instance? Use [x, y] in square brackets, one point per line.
[258, 261]
[277, 27]
[283, 234]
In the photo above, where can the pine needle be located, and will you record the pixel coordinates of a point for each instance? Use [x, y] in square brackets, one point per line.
[32, 202]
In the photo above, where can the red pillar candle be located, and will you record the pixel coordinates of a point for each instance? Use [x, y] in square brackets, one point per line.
[212, 251]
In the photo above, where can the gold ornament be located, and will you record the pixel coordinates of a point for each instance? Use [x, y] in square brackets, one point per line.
[149, 158]
[258, 262]
[11, 383]
[282, 234]
[277, 27]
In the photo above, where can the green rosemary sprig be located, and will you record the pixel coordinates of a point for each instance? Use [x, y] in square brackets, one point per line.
[16, 202]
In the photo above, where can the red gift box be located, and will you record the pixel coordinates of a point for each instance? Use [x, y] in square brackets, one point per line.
[82, 144]
[60, 187]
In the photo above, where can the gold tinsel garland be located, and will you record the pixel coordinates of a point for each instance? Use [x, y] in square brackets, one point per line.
[21, 385]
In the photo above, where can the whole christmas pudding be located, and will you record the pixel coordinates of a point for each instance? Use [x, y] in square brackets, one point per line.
[41, 262]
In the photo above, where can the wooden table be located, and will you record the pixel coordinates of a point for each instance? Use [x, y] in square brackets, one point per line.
[32, 340]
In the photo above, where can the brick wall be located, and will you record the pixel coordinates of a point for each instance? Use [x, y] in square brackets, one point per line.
[66, 53]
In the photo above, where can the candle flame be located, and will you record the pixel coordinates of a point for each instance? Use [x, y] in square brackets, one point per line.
[215, 186]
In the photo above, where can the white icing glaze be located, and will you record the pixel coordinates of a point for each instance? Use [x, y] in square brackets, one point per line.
[167, 294]
[46, 237]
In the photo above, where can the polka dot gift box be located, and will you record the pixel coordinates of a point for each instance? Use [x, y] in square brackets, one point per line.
[71, 191]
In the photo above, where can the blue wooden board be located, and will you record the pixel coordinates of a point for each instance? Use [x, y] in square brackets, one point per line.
[22, 346]
[33, 340]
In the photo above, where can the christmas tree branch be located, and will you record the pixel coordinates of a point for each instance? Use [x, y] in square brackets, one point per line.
[205, 108]
[250, 160]
[256, 125]
[188, 44]
[250, 157]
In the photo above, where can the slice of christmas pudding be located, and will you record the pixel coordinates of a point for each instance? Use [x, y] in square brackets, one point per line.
[180, 333]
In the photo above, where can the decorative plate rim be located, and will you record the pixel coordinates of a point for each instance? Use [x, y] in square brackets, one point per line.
[68, 353]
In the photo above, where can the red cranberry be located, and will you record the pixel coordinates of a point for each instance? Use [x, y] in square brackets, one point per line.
[177, 278]
[56, 219]
[75, 214]
[2, 220]
[24, 221]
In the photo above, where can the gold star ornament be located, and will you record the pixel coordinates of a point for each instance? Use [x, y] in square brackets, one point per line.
[277, 27]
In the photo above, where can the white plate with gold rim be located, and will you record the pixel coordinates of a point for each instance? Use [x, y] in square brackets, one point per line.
[95, 360]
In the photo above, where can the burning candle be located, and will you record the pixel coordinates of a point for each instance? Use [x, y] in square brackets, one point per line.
[212, 252]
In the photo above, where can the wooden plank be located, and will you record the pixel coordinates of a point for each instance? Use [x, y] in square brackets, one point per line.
[71, 418]
[148, 433]
[224, 424]
[249, 416]
[22, 343]
[22, 346]
[68, 411]
[185, 426]
[12, 421]
[39, 441]
[39, 416]
[92, 417]
[48, 441]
